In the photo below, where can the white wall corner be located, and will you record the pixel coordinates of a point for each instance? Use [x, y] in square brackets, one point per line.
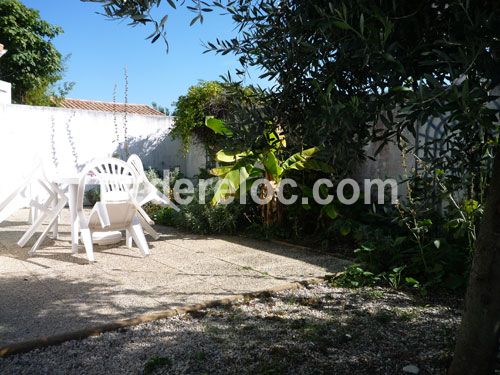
[5, 93]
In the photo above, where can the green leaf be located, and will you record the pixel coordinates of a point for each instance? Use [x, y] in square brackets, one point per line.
[425, 223]
[163, 20]
[271, 163]
[330, 211]
[345, 229]
[230, 157]
[437, 243]
[221, 171]
[411, 281]
[299, 157]
[234, 179]
[276, 139]
[470, 205]
[229, 185]
[218, 126]
[199, 17]
[342, 25]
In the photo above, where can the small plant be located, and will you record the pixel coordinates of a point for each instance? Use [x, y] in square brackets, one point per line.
[394, 277]
[355, 277]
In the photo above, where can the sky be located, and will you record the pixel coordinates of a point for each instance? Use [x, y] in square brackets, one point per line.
[100, 50]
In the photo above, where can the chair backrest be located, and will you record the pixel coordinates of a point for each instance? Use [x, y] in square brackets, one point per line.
[136, 163]
[145, 186]
[117, 179]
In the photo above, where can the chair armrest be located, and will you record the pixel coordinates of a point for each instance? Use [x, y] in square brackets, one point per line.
[102, 213]
[165, 201]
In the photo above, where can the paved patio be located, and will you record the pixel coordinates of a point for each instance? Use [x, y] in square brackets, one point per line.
[56, 292]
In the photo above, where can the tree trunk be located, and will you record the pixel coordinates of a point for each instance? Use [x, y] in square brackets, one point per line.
[478, 338]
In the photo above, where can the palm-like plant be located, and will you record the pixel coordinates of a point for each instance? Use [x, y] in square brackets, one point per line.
[239, 170]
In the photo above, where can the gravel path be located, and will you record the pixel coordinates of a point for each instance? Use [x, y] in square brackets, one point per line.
[313, 330]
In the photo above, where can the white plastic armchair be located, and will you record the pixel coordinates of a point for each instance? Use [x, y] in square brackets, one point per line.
[147, 192]
[117, 209]
[18, 197]
[48, 211]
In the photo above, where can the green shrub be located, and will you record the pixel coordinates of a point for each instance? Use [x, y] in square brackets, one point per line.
[355, 277]
[154, 177]
[201, 218]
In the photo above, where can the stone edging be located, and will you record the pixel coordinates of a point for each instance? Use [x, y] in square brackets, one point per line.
[42, 342]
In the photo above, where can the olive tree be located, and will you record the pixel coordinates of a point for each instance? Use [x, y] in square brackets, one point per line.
[339, 68]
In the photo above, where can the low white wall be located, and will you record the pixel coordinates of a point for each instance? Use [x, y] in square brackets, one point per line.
[66, 139]
[5, 92]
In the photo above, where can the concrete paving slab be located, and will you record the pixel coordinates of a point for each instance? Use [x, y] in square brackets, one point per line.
[55, 292]
[23, 307]
[8, 263]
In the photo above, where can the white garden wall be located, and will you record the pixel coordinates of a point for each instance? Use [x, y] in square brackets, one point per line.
[65, 139]
[5, 92]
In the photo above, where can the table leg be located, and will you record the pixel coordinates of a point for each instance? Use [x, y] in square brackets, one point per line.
[55, 226]
[73, 191]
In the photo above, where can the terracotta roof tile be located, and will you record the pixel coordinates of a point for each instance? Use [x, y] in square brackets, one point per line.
[92, 105]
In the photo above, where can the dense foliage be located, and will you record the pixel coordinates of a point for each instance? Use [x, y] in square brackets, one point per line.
[201, 100]
[196, 217]
[239, 170]
[207, 98]
[344, 74]
[32, 63]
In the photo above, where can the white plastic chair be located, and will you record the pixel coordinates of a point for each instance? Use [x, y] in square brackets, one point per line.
[117, 209]
[146, 193]
[19, 196]
[48, 211]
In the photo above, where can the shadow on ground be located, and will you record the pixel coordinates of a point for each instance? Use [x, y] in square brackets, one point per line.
[55, 292]
[321, 330]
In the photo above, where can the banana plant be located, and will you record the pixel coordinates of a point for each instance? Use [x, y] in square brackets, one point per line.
[244, 167]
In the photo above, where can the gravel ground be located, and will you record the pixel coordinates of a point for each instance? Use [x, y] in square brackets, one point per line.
[317, 329]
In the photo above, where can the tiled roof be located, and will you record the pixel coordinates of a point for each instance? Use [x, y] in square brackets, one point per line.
[92, 105]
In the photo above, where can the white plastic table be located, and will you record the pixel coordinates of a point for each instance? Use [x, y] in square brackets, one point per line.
[72, 182]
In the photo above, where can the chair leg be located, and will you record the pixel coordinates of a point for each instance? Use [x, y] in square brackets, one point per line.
[31, 231]
[52, 220]
[34, 212]
[128, 239]
[148, 228]
[10, 205]
[137, 233]
[55, 225]
[87, 242]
